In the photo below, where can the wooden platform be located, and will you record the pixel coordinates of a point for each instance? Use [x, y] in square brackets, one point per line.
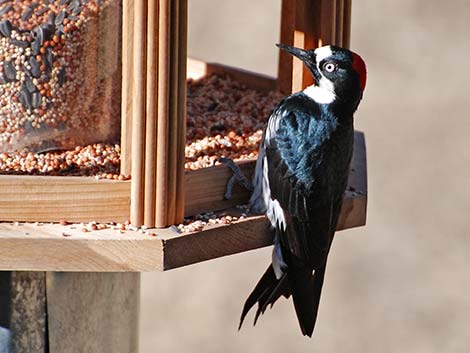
[53, 247]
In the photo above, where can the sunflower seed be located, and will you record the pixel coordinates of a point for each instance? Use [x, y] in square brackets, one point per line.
[60, 17]
[61, 77]
[5, 28]
[35, 47]
[25, 98]
[35, 67]
[20, 43]
[6, 9]
[36, 100]
[43, 10]
[27, 14]
[10, 71]
[29, 84]
[51, 18]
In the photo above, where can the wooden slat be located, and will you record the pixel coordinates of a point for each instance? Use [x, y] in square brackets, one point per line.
[347, 23]
[127, 69]
[51, 199]
[138, 113]
[205, 188]
[328, 22]
[288, 17]
[151, 113]
[339, 22]
[173, 159]
[182, 86]
[161, 209]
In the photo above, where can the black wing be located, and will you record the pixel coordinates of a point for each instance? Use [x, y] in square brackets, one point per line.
[299, 178]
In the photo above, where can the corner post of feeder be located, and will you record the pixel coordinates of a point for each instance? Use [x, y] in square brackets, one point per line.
[310, 24]
[171, 98]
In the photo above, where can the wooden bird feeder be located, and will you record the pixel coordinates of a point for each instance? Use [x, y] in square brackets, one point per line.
[160, 193]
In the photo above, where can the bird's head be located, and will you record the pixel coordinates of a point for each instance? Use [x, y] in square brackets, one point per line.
[339, 74]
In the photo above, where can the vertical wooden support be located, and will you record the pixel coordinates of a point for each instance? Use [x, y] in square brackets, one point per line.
[163, 112]
[23, 312]
[181, 106]
[127, 80]
[339, 22]
[309, 24]
[93, 312]
[171, 109]
[156, 117]
[347, 23]
[151, 112]
[138, 112]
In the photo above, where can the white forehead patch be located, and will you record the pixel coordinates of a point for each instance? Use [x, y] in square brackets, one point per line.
[323, 53]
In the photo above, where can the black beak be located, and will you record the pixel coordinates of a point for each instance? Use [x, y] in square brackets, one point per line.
[306, 56]
[302, 54]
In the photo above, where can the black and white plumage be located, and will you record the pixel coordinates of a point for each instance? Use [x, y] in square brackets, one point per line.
[300, 178]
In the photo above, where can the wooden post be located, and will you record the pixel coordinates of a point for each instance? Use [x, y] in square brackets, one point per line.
[126, 96]
[23, 312]
[138, 112]
[170, 113]
[72, 312]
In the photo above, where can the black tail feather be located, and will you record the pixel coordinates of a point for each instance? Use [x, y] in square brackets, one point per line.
[306, 291]
[266, 292]
[299, 282]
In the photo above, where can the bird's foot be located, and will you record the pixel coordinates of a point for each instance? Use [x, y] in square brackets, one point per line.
[237, 176]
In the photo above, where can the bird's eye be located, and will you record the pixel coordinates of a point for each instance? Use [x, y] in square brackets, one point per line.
[329, 66]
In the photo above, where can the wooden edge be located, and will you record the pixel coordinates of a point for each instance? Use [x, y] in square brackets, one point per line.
[197, 69]
[52, 199]
[53, 247]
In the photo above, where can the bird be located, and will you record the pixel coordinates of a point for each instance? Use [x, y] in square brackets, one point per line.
[300, 178]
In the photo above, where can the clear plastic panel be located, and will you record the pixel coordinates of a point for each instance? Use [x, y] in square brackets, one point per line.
[60, 77]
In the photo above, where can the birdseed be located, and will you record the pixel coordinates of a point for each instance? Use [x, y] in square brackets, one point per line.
[59, 73]
[224, 119]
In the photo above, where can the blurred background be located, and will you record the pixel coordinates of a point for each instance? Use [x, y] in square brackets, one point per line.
[400, 284]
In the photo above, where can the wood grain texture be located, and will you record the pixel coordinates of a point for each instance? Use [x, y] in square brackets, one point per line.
[45, 248]
[173, 121]
[182, 92]
[288, 19]
[93, 312]
[23, 311]
[138, 112]
[126, 96]
[151, 113]
[164, 87]
[339, 22]
[51, 199]
[347, 23]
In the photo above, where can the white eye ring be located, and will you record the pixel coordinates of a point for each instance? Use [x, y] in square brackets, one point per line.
[329, 67]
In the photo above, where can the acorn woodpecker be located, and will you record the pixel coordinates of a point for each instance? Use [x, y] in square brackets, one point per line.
[301, 176]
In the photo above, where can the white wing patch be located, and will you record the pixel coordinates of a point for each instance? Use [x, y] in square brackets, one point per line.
[261, 200]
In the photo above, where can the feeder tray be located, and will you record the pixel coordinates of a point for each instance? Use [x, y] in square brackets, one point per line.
[160, 193]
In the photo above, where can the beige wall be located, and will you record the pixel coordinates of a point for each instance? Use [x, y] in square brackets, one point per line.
[401, 284]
